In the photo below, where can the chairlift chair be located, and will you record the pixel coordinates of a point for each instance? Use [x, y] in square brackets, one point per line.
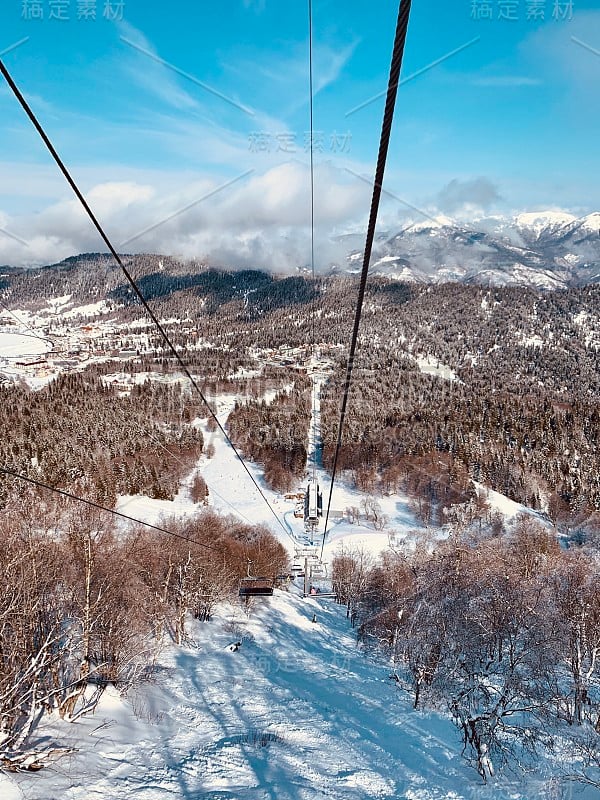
[256, 587]
[318, 571]
[313, 504]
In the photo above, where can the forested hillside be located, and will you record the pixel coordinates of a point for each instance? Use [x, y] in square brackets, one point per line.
[275, 434]
[79, 430]
[84, 605]
[497, 385]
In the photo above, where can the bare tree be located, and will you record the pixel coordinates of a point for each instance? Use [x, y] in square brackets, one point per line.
[350, 568]
[576, 591]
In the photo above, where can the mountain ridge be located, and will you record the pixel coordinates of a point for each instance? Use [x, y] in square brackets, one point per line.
[543, 250]
[547, 250]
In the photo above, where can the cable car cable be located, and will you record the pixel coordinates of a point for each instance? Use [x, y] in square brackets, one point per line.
[175, 458]
[312, 227]
[100, 507]
[386, 129]
[14, 88]
[23, 323]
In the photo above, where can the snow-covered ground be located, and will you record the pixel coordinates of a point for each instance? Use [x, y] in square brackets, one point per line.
[507, 507]
[430, 365]
[297, 713]
[22, 345]
[61, 336]
[231, 488]
[89, 310]
[231, 491]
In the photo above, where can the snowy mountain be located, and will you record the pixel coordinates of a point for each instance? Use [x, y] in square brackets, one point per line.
[545, 250]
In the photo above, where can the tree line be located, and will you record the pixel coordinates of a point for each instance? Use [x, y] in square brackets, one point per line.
[521, 415]
[529, 447]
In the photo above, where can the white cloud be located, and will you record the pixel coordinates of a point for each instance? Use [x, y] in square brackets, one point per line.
[257, 6]
[264, 219]
[285, 76]
[567, 62]
[470, 196]
[329, 63]
[152, 76]
[260, 220]
[109, 198]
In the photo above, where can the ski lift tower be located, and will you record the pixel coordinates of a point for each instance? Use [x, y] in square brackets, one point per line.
[313, 506]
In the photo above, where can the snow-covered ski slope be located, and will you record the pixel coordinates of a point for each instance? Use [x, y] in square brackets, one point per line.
[296, 713]
[231, 492]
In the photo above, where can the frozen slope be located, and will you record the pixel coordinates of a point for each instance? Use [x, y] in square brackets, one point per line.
[297, 713]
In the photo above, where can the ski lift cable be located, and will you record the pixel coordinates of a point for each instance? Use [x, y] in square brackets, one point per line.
[99, 507]
[15, 90]
[386, 129]
[179, 461]
[312, 231]
[22, 322]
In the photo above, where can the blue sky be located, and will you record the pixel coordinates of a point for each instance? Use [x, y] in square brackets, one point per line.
[170, 103]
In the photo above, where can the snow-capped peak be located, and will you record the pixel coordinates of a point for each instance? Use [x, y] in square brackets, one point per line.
[440, 221]
[591, 222]
[539, 221]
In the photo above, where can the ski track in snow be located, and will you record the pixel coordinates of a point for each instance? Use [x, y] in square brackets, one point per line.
[339, 727]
